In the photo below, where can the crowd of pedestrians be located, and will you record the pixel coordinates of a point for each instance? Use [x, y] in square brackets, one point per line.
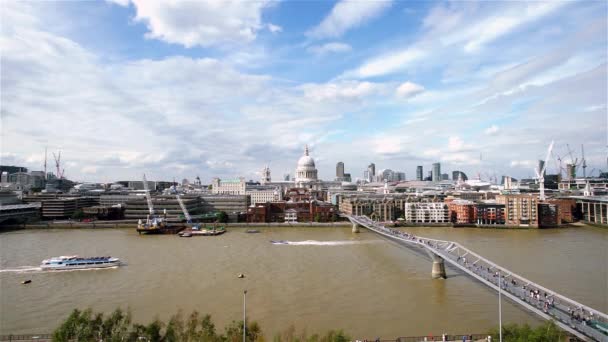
[541, 300]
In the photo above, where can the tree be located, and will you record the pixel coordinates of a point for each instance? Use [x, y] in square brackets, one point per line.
[317, 217]
[222, 217]
[78, 214]
[547, 332]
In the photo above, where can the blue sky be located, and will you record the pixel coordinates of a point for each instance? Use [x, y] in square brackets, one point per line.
[217, 88]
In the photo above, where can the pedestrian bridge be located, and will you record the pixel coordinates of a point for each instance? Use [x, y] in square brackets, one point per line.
[584, 322]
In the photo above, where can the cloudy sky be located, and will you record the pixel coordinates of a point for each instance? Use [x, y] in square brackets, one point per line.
[180, 89]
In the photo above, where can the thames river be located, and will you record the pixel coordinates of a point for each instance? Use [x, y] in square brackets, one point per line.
[327, 278]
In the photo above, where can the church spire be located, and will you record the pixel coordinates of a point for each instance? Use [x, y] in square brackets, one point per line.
[306, 150]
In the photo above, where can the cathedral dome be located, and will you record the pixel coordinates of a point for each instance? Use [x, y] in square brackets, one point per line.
[306, 170]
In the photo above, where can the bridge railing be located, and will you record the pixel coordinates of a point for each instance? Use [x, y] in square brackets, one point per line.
[570, 313]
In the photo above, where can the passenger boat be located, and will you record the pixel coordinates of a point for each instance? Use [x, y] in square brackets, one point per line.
[75, 263]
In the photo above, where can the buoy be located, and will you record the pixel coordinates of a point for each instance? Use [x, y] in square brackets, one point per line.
[26, 281]
[241, 275]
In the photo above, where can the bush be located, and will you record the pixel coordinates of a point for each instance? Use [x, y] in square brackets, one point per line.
[548, 332]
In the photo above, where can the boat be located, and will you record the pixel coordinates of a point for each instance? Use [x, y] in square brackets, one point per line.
[76, 263]
[185, 234]
[279, 242]
[252, 231]
[26, 281]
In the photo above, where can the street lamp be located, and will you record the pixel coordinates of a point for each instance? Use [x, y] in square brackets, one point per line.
[244, 314]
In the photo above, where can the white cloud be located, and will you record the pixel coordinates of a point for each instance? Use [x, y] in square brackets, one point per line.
[343, 90]
[408, 90]
[333, 47]
[274, 28]
[202, 23]
[387, 63]
[348, 14]
[492, 130]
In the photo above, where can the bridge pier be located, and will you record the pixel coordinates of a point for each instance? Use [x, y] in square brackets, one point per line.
[355, 228]
[438, 270]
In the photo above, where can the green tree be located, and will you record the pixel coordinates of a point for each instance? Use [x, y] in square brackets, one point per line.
[222, 217]
[547, 332]
[78, 214]
[317, 217]
[234, 332]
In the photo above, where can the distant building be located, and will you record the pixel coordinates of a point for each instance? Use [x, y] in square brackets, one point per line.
[445, 176]
[399, 176]
[266, 175]
[436, 175]
[4, 178]
[419, 172]
[263, 193]
[286, 177]
[289, 212]
[339, 170]
[235, 186]
[457, 174]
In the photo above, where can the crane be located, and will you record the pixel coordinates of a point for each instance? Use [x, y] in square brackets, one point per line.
[540, 174]
[58, 164]
[584, 162]
[185, 211]
[148, 198]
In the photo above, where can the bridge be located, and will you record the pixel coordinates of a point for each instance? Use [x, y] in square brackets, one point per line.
[580, 320]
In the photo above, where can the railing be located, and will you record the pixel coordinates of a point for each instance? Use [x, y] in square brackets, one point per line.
[38, 337]
[570, 315]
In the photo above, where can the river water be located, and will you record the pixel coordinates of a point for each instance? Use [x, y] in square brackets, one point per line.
[327, 278]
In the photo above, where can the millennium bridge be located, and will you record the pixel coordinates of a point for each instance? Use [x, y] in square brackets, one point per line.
[580, 320]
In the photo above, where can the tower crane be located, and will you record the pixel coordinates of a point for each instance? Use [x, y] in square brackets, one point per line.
[584, 162]
[540, 174]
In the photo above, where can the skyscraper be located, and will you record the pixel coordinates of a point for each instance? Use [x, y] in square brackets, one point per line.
[419, 172]
[436, 172]
[340, 170]
[371, 172]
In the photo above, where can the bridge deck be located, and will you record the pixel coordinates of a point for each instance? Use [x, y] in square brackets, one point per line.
[580, 320]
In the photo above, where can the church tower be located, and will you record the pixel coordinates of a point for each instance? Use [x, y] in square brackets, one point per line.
[265, 175]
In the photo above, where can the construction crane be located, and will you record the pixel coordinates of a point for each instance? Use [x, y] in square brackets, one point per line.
[148, 198]
[58, 165]
[584, 162]
[540, 174]
[185, 211]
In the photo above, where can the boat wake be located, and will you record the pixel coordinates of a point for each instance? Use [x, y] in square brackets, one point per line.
[34, 269]
[320, 243]
[22, 269]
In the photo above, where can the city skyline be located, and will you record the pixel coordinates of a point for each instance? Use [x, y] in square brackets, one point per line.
[123, 88]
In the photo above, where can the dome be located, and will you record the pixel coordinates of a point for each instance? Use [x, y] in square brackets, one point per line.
[306, 161]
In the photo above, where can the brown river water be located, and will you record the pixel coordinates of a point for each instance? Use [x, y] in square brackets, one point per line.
[329, 278]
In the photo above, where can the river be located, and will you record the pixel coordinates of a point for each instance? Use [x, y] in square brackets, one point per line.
[329, 278]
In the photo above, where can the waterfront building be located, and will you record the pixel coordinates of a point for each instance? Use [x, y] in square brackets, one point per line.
[520, 210]
[567, 210]
[461, 211]
[548, 215]
[66, 207]
[426, 212]
[291, 211]
[490, 212]
[436, 173]
[137, 208]
[12, 210]
[594, 209]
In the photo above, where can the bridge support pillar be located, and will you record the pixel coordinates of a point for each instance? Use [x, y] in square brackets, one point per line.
[438, 270]
[355, 228]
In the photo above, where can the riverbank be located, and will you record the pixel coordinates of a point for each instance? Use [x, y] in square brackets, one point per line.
[133, 224]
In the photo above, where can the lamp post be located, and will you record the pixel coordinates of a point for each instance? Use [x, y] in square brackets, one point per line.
[244, 314]
[499, 308]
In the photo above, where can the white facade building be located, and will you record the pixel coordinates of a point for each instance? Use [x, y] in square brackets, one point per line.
[236, 186]
[426, 212]
[263, 194]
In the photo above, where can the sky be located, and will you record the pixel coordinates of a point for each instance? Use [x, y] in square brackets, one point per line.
[179, 89]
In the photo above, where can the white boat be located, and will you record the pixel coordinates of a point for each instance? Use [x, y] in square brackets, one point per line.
[76, 263]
